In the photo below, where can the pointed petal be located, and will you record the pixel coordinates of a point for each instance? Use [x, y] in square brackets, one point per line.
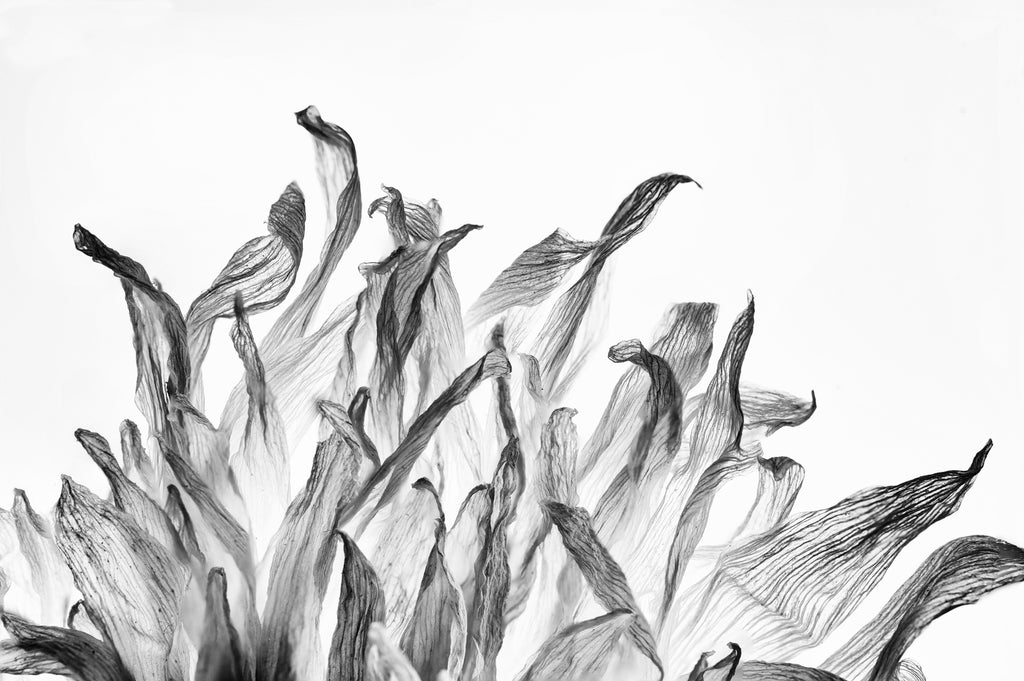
[136, 605]
[360, 604]
[559, 333]
[812, 571]
[435, 639]
[127, 496]
[301, 564]
[957, 574]
[221, 657]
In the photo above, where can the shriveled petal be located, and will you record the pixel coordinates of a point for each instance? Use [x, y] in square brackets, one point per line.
[486, 633]
[534, 275]
[602, 573]
[49, 576]
[158, 332]
[580, 652]
[261, 464]
[339, 176]
[137, 604]
[957, 574]
[128, 497]
[399, 320]
[261, 271]
[403, 548]
[394, 472]
[557, 338]
[221, 655]
[435, 639]
[786, 589]
[774, 671]
[36, 649]
[301, 564]
[360, 604]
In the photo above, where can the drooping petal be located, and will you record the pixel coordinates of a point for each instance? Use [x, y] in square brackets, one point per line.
[779, 482]
[684, 343]
[137, 604]
[261, 271]
[36, 649]
[602, 573]
[159, 334]
[786, 589]
[221, 655]
[360, 604]
[486, 632]
[579, 652]
[957, 574]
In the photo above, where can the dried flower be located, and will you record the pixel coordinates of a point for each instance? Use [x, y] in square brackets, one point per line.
[474, 546]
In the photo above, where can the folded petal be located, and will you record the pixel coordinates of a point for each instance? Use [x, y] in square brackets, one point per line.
[435, 638]
[360, 604]
[602, 573]
[262, 272]
[579, 652]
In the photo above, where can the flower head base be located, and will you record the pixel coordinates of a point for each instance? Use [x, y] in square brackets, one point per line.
[459, 543]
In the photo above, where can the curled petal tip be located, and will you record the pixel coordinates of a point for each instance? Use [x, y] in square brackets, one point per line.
[979, 459]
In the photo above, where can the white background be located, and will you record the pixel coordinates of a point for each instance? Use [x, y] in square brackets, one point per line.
[862, 165]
